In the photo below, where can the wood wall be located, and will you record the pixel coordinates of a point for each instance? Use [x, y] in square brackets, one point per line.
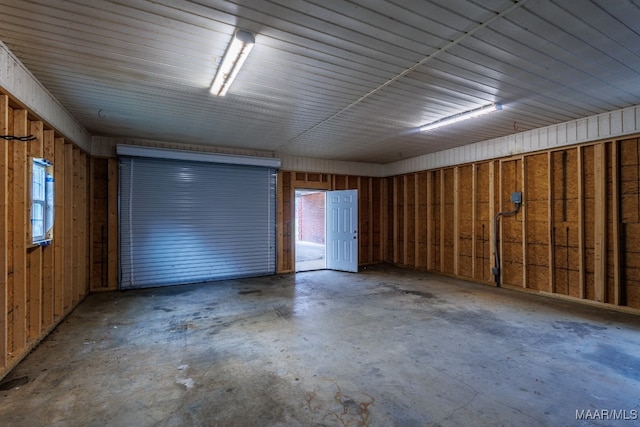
[577, 234]
[370, 197]
[104, 225]
[39, 285]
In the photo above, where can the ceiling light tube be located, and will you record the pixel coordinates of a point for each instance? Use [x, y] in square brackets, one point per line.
[461, 116]
[233, 59]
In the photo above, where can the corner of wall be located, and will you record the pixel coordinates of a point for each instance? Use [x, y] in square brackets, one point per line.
[18, 81]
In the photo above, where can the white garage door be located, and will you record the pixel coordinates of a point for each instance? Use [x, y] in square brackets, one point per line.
[191, 221]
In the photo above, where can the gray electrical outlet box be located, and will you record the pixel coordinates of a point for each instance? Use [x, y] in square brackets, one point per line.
[516, 197]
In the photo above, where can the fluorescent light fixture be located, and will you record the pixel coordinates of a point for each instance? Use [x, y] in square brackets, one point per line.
[232, 60]
[461, 116]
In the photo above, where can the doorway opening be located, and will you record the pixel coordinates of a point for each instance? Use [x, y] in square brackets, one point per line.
[310, 233]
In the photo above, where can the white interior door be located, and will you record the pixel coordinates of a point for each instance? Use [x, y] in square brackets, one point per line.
[342, 230]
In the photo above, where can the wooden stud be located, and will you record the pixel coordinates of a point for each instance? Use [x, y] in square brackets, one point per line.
[375, 195]
[382, 203]
[523, 212]
[492, 212]
[82, 226]
[112, 224]
[395, 219]
[69, 208]
[86, 194]
[474, 216]
[291, 262]
[429, 220]
[405, 220]
[20, 232]
[36, 146]
[4, 231]
[99, 219]
[309, 181]
[418, 220]
[456, 219]
[615, 203]
[369, 207]
[600, 226]
[10, 237]
[279, 219]
[48, 261]
[371, 221]
[581, 245]
[77, 226]
[89, 221]
[34, 255]
[92, 220]
[358, 183]
[288, 218]
[395, 224]
[59, 232]
[501, 222]
[410, 219]
[551, 232]
[384, 206]
[442, 221]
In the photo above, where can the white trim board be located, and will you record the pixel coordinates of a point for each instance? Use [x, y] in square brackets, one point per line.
[164, 153]
[609, 125]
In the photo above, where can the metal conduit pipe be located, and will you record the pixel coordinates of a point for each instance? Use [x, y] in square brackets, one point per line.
[516, 198]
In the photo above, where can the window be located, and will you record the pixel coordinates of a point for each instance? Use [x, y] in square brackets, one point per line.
[41, 202]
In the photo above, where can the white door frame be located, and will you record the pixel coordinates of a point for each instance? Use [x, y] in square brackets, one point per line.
[342, 230]
[296, 263]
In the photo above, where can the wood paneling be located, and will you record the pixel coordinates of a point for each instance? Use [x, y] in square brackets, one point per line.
[629, 196]
[483, 222]
[112, 225]
[285, 219]
[537, 221]
[511, 226]
[448, 226]
[19, 304]
[465, 219]
[34, 253]
[70, 234]
[60, 233]
[600, 219]
[102, 236]
[421, 214]
[575, 236]
[5, 246]
[48, 252]
[35, 281]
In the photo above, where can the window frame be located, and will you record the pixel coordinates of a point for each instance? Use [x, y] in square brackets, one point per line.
[42, 202]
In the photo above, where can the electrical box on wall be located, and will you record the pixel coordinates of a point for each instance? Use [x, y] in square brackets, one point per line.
[516, 197]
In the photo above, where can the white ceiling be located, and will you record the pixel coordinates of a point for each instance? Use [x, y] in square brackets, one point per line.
[333, 79]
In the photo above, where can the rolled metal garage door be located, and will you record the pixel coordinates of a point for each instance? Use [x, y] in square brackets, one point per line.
[189, 221]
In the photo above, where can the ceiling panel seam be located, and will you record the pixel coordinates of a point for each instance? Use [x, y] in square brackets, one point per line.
[464, 36]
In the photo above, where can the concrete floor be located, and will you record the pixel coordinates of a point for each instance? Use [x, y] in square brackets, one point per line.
[310, 256]
[384, 347]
